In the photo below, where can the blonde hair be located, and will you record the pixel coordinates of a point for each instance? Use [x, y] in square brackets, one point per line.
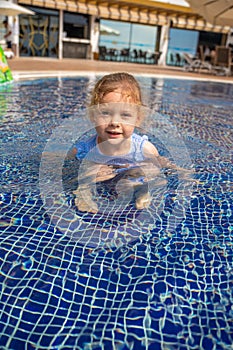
[122, 81]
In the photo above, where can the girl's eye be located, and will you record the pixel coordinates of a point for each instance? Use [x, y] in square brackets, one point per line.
[105, 113]
[126, 115]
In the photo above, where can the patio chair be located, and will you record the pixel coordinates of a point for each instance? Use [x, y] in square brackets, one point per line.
[134, 56]
[142, 56]
[223, 61]
[124, 55]
[102, 53]
[195, 64]
[112, 54]
[178, 59]
[153, 57]
[171, 58]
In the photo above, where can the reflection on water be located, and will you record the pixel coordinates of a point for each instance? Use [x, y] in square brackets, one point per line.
[136, 279]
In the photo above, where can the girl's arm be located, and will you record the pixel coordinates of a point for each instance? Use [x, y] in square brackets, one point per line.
[149, 150]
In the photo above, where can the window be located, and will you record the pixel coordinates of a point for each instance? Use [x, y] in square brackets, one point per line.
[76, 26]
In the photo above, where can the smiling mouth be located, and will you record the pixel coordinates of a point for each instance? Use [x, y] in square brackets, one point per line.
[115, 133]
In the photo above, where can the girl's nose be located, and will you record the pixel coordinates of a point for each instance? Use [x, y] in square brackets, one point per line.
[115, 120]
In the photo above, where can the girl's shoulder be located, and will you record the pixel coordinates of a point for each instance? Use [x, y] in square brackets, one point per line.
[146, 147]
[150, 150]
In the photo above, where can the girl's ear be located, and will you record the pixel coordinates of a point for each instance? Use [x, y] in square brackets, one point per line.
[140, 116]
[91, 115]
[138, 121]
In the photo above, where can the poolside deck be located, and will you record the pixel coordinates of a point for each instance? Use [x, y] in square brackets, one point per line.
[27, 66]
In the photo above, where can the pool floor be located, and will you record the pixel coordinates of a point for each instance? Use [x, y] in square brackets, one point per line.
[160, 278]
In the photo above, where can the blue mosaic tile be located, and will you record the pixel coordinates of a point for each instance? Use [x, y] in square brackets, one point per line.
[169, 285]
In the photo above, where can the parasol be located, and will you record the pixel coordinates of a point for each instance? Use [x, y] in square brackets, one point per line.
[8, 8]
[217, 12]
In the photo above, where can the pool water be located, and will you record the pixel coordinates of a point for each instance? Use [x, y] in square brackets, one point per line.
[160, 278]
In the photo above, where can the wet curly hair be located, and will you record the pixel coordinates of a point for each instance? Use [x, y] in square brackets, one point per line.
[122, 81]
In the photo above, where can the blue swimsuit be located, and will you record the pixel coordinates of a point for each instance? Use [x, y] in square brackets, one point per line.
[90, 151]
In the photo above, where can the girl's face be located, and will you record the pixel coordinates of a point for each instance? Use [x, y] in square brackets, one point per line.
[116, 117]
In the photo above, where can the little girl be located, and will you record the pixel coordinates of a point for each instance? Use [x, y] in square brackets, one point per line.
[115, 109]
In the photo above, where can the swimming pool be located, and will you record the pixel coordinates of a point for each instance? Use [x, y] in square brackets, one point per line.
[164, 280]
